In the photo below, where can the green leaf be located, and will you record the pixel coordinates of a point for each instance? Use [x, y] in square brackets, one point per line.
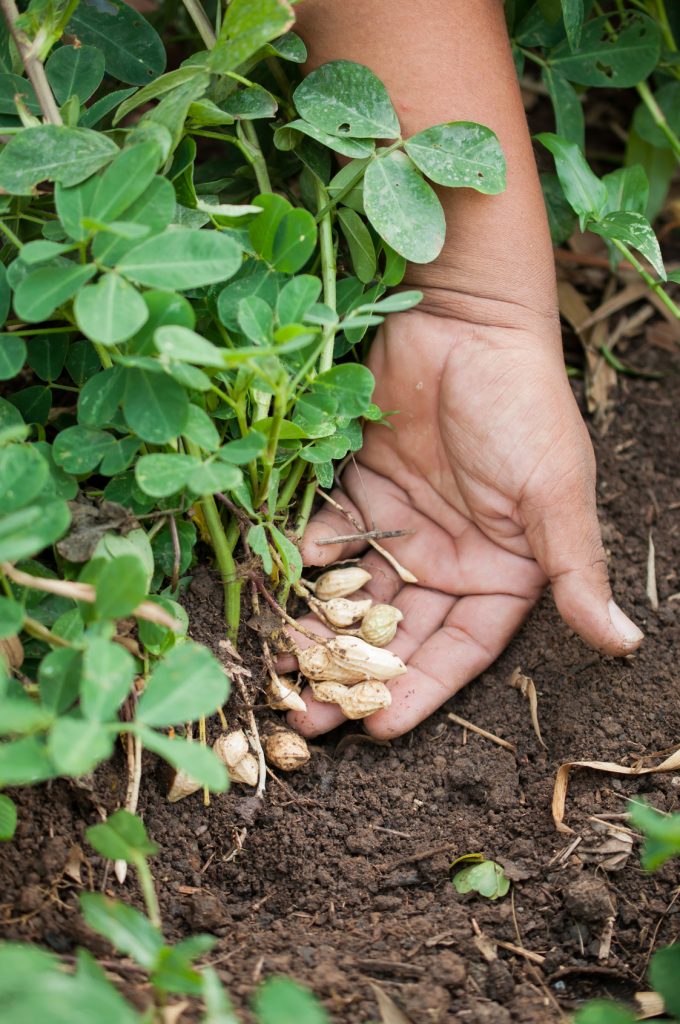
[396, 303]
[44, 290]
[80, 449]
[41, 251]
[124, 181]
[200, 429]
[256, 320]
[361, 248]
[185, 345]
[120, 588]
[11, 614]
[627, 189]
[461, 154]
[668, 100]
[161, 475]
[22, 715]
[75, 71]
[403, 208]
[110, 311]
[77, 747]
[128, 930]
[283, 1001]
[635, 230]
[258, 543]
[166, 83]
[664, 974]
[289, 46]
[23, 474]
[573, 15]
[5, 294]
[123, 837]
[25, 533]
[212, 476]
[294, 241]
[133, 51]
[611, 60]
[153, 210]
[73, 206]
[569, 119]
[34, 403]
[245, 449]
[585, 193]
[296, 297]
[155, 406]
[59, 677]
[290, 554]
[246, 28]
[12, 355]
[250, 103]
[182, 258]
[662, 834]
[350, 384]
[98, 111]
[286, 138]
[602, 1012]
[8, 818]
[486, 878]
[24, 762]
[52, 153]
[199, 762]
[561, 217]
[99, 398]
[13, 85]
[188, 683]
[108, 672]
[347, 99]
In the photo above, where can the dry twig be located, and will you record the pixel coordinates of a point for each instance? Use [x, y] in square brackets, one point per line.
[482, 732]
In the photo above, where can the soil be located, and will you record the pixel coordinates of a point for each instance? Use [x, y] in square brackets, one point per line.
[341, 877]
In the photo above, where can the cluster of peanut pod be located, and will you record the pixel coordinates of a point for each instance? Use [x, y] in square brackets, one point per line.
[352, 668]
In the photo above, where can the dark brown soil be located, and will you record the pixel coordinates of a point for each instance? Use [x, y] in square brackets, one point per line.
[342, 877]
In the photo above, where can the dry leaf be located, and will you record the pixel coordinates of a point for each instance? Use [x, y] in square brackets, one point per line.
[75, 858]
[527, 688]
[650, 1004]
[670, 764]
[389, 1011]
[652, 591]
[171, 1014]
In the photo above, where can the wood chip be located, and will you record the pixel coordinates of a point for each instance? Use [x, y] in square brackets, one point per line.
[389, 1011]
[483, 732]
[670, 764]
[650, 1004]
[527, 688]
[652, 591]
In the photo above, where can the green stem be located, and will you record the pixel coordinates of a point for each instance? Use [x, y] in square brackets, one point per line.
[328, 272]
[104, 357]
[40, 632]
[200, 20]
[148, 891]
[305, 507]
[272, 443]
[291, 484]
[226, 564]
[646, 277]
[38, 330]
[665, 24]
[659, 118]
[225, 560]
[32, 63]
[14, 239]
[255, 157]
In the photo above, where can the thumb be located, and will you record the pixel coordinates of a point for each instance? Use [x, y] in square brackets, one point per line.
[566, 541]
[330, 522]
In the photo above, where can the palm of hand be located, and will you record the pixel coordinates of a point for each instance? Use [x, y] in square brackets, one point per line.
[482, 442]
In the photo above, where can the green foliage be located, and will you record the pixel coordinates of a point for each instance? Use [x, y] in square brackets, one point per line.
[482, 876]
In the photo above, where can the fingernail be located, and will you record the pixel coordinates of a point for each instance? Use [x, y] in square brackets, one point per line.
[627, 630]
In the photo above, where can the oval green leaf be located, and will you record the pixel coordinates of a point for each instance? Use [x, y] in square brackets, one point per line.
[403, 209]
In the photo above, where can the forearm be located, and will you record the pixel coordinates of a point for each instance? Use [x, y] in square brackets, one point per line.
[450, 60]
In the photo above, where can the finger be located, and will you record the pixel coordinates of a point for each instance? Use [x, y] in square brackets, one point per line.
[565, 538]
[475, 632]
[424, 612]
[330, 522]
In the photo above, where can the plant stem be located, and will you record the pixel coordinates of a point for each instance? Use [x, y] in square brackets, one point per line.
[32, 63]
[14, 239]
[227, 566]
[272, 442]
[256, 158]
[646, 277]
[659, 118]
[40, 632]
[200, 20]
[148, 891]
[665, 25]
[305, 508]
[291, 484]
[328, 272]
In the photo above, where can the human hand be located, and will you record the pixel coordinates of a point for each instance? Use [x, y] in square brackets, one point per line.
[488, 461]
